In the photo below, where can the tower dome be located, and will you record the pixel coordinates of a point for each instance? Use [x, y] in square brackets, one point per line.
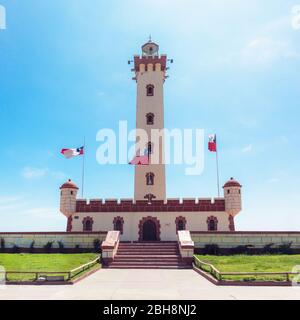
[232, 183]
[69, 185]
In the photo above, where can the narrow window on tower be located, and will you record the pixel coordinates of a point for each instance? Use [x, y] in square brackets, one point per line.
[150, 118]
[150, 179]
[150, 147]
[150, 90]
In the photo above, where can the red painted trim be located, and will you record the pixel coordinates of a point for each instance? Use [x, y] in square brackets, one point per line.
[209, 219]
[241, 283]
[154, 206]
[53, 233]
[69, 224]
[141, 223]
[231, 223]
[85, 220]
[149, 59]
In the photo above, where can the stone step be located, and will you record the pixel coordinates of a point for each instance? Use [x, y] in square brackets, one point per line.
[149, 267]
[147, 256]
[147, 247]
[148, 253]
[147, 263]
[143, 259]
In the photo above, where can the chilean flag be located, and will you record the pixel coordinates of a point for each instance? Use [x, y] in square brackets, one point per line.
[70, 153]
[212, 143]
[139, 160]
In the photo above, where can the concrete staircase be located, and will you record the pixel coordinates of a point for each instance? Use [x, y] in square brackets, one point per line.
[148, 255]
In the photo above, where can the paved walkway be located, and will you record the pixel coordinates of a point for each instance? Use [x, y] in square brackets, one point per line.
[146, 284]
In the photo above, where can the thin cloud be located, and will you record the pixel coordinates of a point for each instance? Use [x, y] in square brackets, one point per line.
[265, 50]
[34, 173]
[247, 149]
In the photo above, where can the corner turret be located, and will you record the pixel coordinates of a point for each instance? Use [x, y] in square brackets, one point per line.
[232, 195]
[68, 196]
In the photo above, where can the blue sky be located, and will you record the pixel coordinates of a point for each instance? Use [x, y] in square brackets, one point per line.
[64, 75]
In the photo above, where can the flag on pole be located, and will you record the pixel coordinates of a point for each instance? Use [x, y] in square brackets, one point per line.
[70, 153]
[212, 143]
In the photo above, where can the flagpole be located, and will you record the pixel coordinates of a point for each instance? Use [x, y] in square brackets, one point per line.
[83, 167]
[217, 163]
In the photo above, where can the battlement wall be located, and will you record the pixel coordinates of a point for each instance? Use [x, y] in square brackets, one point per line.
[171, 205]
[146, 60]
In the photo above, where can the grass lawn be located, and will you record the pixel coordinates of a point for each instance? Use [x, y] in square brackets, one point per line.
[255, 263]
[42, 263]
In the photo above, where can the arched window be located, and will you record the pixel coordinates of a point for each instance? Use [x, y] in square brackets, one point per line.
[150, 179]
[180, 223]
[87, 224]
[150, 118]
[212, 223]
[150, 90]
[118, 224]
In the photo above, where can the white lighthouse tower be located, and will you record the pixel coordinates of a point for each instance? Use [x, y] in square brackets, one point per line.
[150, 75]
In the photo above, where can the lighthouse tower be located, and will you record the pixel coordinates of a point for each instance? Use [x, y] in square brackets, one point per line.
[150, 75]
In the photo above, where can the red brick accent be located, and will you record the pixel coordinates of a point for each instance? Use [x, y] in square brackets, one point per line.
[154, 206]
[215, 219]
[231, 223]
[177, 222]
[69, 224]
[149, 59]
[118, 218]
[85, 219]
[157, 224]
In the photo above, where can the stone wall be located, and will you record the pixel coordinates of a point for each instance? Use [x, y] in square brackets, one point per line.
[238, 238]
[69, 239]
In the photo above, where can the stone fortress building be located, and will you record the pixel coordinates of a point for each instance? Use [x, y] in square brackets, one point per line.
[150, 215]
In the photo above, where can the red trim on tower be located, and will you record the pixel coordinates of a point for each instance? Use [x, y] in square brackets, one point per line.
[231, 223]
[149, 59]
[69, 224]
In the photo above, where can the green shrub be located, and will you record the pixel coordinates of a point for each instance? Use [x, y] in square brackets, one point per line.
[285, 248]
[31, 247]
[15, 249]
[48, 246]
[246, 249]
[267, 249]
[211, 249]
[2, 244]
[61, 246]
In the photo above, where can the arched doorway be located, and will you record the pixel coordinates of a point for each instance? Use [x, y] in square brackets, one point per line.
[149, 229]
